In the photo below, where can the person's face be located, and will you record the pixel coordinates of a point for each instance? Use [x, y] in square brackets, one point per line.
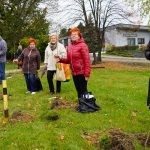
[74, 36]
[53, 39]
[32, 45]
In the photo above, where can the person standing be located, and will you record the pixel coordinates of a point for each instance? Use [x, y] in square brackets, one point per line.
[79, 59]
[53, 48]
[30, 58]
[17, 54]
[3, 50]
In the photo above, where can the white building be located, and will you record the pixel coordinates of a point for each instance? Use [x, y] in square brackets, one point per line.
[127, 34]
[65, 40]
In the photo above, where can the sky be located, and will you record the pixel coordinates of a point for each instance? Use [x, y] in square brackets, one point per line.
[60, 20]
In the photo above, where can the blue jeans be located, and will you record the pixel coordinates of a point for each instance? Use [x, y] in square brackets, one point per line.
[2, 71]
[31, 82]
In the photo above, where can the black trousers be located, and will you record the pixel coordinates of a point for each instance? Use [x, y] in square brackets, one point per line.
[50, 75]
[80, 84]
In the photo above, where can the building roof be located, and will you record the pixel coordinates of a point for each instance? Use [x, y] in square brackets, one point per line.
[129, 27]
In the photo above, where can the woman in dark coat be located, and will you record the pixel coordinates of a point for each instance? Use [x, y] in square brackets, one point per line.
[30, 58]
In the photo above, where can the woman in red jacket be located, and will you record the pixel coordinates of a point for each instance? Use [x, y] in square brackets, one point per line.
[79, 59]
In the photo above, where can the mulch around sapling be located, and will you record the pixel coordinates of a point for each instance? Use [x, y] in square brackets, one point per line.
[114, 139]
[19, 116]
[144, 139]
[119, 140]
[59, 103]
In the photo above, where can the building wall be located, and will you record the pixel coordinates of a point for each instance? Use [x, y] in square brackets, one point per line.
[120, 37]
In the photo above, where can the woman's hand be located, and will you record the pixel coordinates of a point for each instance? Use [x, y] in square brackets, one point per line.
[15, 61]
[57, 58]
[86, 78]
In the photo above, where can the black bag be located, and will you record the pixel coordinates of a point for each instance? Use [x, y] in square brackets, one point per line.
[148, 97]
[147, 54]
[147, 51]
[39, 84]
[87, 104]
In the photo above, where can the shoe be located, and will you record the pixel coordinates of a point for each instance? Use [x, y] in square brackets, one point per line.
[32, 93]
[52, 93]
[27, 92]
[58, 93]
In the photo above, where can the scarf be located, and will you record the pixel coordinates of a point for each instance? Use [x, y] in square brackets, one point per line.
[53, 46]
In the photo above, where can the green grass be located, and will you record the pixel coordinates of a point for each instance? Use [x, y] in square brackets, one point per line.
[10, 65]
[119, 93]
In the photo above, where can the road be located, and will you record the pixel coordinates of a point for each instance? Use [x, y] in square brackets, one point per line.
[122, 59]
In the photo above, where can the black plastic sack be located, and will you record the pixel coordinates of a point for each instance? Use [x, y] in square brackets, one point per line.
[87, 103]
[39, 84]
[147, 54]
[148, 97]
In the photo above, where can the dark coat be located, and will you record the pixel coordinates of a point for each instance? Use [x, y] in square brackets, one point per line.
[18, 53]
[30, 59]
[147, 51]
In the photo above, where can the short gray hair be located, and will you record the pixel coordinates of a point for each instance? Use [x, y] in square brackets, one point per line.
[53, 34]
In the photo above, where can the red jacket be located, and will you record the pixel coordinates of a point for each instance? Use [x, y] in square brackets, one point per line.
[78, 57]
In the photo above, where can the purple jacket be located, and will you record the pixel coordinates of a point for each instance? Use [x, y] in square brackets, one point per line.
[3, 50]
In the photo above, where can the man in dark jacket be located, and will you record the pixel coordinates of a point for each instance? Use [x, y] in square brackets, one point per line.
[3, 50]
[17, 54]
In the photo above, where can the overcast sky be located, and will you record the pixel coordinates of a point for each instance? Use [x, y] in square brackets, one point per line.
[59, 20]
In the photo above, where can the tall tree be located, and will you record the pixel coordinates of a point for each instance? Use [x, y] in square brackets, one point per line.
[20, 18]
[104, 13]
[142, 6]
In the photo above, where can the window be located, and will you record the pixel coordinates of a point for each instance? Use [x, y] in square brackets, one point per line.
[141, 41]
[131, 41]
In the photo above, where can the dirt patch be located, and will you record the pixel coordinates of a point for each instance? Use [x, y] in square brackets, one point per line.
[121, 66]
[143, 139]
[92, 138]
[19, 116]
[114, 139]
[119, 141]
[52, 117]
[59, 103]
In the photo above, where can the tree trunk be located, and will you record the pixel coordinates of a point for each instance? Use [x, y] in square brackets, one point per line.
[95, 59]
[99, 42]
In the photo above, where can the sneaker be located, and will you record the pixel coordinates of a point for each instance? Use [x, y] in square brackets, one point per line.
[32, 93]
[27, 92]
[52, 93]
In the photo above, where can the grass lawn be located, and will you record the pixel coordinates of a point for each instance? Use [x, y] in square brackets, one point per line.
[10, 65]
[121, 93]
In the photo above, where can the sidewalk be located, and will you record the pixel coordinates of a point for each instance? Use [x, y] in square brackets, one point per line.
[121, 59]
[17, 70]
[13, 71]
[125, 59]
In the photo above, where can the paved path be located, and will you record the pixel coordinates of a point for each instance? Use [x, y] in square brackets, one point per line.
[125, 59]
[18, 70]
[122, 59]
